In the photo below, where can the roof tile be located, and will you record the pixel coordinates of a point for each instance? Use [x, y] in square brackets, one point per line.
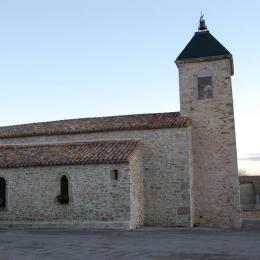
[97, 124]
[76, 153]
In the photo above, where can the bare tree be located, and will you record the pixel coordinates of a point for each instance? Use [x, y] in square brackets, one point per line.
[242, 172]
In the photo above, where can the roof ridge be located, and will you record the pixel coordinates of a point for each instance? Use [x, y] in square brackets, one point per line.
[94, 117]
[110, 141]
[97, 124]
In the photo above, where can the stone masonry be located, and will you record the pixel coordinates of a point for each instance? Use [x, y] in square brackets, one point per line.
[96, 199]
[165, 162]
[215, 193]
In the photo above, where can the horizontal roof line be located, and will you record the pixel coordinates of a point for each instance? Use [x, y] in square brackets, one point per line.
[97, 124]
[72, 153]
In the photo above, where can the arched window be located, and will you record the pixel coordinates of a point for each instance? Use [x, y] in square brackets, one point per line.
[63, 198]
[2, 193]
[205, 89]
[114, 174]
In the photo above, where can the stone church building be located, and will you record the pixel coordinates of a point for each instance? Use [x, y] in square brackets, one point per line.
[162, 169]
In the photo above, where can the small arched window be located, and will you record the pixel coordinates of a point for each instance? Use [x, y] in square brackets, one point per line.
[63, 197]
[205, 89]
[114, 174]
[2, 193]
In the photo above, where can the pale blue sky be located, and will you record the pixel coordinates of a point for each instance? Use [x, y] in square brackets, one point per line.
[68, 59]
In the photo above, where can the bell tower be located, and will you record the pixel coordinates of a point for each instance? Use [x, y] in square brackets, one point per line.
[205, 69]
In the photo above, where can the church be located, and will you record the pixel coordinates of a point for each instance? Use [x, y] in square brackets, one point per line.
[174, 169]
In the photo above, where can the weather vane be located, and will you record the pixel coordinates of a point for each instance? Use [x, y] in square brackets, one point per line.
[202, 24]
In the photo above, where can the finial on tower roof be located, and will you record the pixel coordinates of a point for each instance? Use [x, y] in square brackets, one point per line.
[202, 24]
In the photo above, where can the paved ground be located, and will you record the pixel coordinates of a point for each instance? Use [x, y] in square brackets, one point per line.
[180, 244]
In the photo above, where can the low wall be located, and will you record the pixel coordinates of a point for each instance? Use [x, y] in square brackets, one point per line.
[250, 196]
[249, 190]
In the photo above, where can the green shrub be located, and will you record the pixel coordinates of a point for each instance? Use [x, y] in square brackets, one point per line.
[2, 203]
[63, 199]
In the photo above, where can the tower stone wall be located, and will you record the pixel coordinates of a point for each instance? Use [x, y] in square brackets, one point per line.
[215, 187]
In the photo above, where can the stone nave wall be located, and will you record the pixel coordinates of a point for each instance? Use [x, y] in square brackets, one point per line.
[95, 198]
[166, 169]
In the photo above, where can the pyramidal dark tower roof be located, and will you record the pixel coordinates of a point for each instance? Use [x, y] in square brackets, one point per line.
[203, 44]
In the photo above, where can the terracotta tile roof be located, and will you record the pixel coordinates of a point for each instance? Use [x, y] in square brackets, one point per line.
[76, 153]
[97, 124]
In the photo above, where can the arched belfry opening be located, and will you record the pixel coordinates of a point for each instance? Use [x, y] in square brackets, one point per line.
[205, 88]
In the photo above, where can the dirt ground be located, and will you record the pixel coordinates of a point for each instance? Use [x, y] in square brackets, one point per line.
[170, 243]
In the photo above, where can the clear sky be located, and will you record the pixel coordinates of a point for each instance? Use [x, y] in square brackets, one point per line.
[67, 59]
